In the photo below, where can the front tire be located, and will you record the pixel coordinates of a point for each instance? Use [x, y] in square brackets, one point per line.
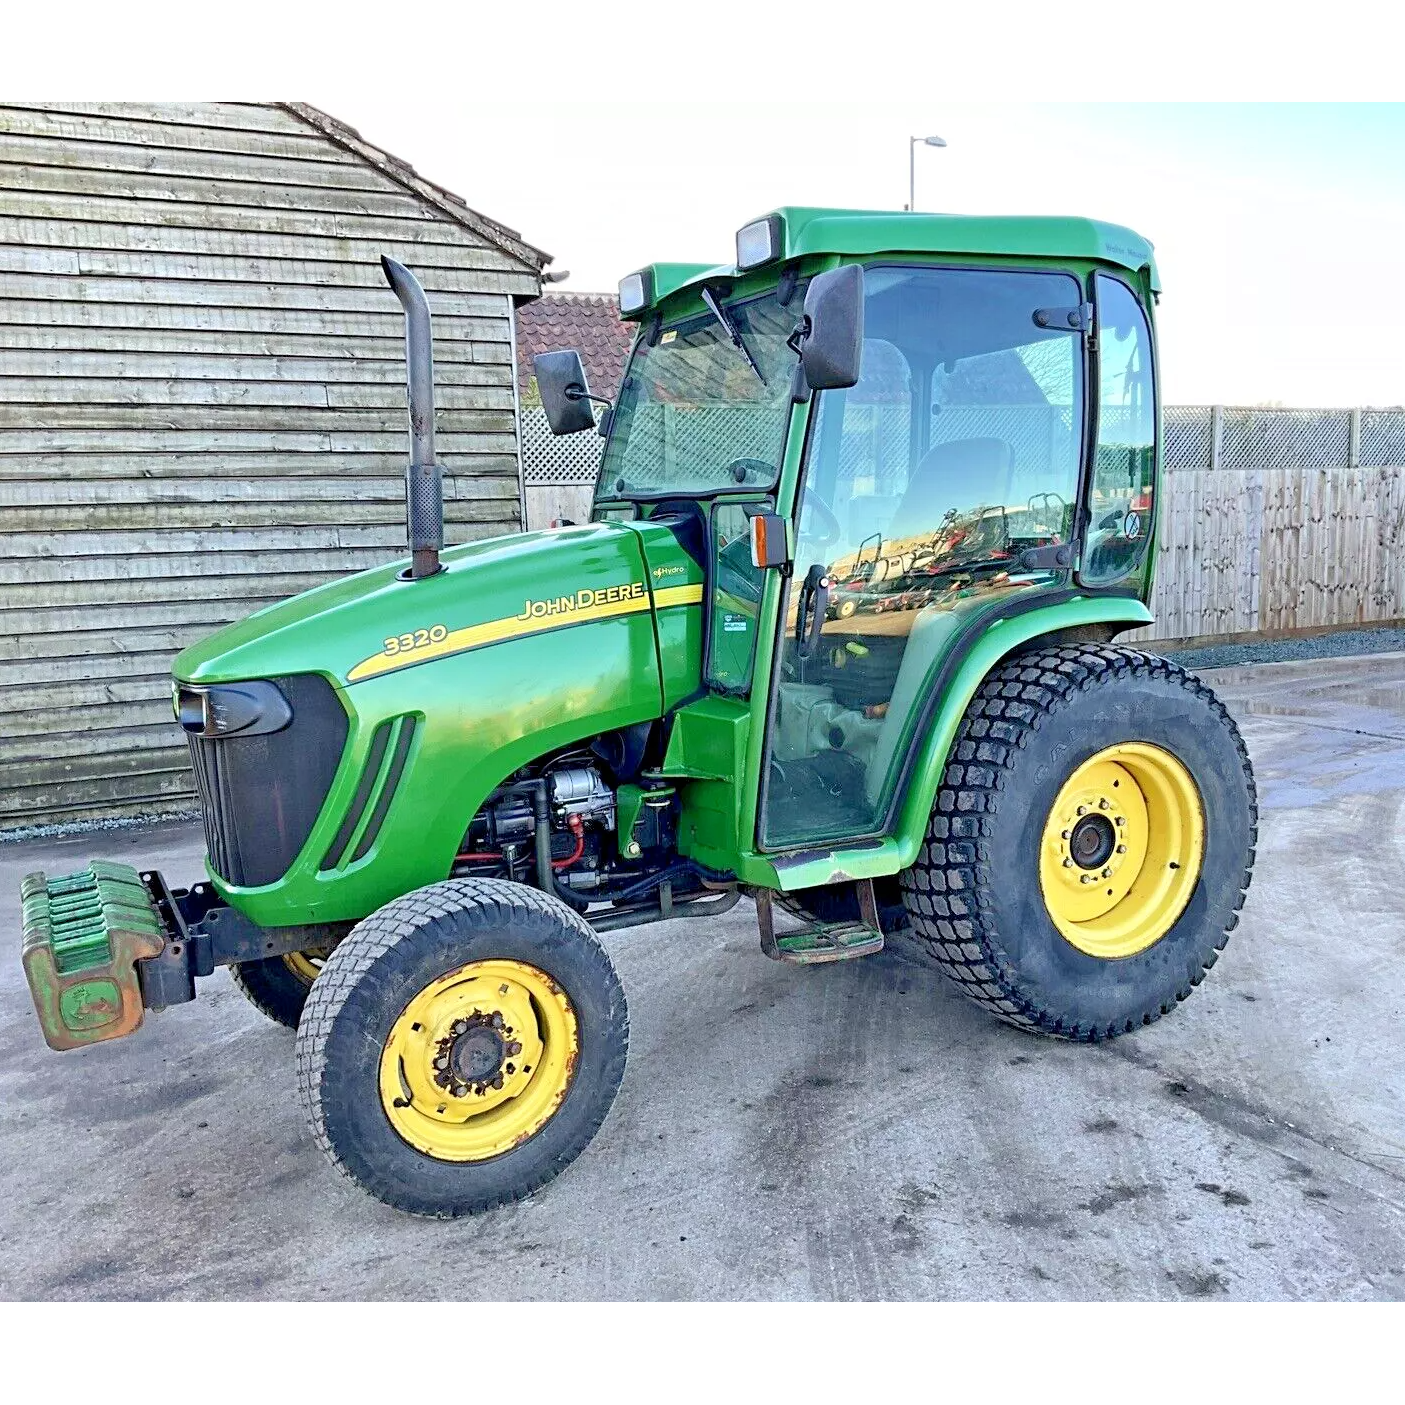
[1091, 844]
[278, 985]
[462, 1046]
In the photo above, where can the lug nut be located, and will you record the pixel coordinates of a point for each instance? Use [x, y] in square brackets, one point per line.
[1102, 804]
[1107, 873]
[1121, 848]
[1119, 821]
[1082, 810]
[1085, 879]
[1068, 834]
[1068, 863]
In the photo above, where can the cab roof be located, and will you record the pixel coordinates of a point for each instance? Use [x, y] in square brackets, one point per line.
[862, 233]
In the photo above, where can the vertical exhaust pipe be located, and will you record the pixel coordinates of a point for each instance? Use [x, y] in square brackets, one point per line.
[424, 486]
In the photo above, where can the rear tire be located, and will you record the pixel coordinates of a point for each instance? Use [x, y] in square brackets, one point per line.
[374, 1014]
[976, 895]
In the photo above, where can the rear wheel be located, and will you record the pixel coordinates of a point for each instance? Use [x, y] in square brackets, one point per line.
[1091, 844]
[462, 1046]
[278, 986]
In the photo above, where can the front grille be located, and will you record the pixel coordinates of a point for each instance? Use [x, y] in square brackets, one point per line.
[261, 795]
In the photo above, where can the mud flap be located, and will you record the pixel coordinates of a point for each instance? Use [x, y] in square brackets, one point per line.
[83, 936]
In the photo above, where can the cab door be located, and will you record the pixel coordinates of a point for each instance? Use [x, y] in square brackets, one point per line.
[926, 487]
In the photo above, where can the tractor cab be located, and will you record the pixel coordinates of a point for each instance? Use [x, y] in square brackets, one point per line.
[992, 452]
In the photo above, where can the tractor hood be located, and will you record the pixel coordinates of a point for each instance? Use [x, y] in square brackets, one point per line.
[377, 622]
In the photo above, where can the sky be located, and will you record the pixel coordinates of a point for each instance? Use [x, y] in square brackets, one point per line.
[1279, 228]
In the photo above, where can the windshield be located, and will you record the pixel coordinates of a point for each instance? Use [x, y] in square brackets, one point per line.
[693, 414]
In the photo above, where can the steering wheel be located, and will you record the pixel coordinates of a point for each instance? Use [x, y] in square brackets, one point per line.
[832, 530]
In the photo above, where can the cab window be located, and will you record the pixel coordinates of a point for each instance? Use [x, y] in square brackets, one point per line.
[1121, 503]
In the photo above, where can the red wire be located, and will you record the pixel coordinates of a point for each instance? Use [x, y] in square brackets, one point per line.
[577, 828]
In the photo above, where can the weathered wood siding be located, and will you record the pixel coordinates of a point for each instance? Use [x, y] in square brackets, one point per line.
[202, 410]
[1278, 550]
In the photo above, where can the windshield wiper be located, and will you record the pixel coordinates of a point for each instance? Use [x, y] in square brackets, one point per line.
[732, 330]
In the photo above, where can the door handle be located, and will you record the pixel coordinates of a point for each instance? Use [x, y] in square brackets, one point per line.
[814, 597]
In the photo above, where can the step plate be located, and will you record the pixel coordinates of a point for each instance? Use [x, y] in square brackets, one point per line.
[83, 936]
[836, 943]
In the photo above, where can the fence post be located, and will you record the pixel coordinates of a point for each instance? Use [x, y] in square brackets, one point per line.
[1216, 434]
[1353, 454]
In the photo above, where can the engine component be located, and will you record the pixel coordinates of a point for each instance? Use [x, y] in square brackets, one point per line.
[581, 790]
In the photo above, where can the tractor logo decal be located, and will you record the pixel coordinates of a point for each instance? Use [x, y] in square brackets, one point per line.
[535, 617]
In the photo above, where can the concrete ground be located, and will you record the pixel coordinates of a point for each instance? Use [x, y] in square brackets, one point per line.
[853, 1131]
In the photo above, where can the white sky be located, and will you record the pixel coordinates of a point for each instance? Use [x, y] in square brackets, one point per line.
[1278, 229]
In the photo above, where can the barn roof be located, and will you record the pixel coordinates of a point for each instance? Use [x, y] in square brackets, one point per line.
[404, 174]
[585, 322]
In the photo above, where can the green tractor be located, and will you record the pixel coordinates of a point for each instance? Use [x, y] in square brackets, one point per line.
[428, 788]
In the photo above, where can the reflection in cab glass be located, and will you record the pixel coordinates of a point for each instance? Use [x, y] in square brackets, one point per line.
[926, 483]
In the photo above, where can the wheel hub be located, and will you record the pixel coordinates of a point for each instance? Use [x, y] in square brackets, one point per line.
[475, 1055]
[479, 1060]
[1092, 841]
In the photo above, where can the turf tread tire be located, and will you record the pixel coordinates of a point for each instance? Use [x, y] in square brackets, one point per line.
[492, 905]
[272, 989]
[948, 891]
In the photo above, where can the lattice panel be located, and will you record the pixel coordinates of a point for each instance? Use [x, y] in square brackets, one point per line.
[1285, 439]
[571, 458]
[1382, 438]
[1187, 435]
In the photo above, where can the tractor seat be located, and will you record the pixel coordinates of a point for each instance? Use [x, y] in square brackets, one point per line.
[961, 474]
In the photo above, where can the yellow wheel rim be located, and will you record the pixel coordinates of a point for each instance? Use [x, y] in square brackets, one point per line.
[1122, 850]
[479, 1060]
[305, 965]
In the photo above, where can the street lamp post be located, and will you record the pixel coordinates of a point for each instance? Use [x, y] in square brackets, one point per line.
[912, 144]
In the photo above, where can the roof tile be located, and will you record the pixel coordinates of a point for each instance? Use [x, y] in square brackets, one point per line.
[586, 322]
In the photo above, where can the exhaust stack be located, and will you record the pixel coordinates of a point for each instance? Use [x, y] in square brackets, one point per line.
[424, 486]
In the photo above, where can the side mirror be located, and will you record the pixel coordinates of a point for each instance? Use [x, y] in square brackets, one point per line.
[565, 396]
[831, 341]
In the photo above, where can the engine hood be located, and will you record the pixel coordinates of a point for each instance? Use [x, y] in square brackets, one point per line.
[374, 623]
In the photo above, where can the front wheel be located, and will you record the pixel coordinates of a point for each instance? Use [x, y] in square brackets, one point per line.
[277, 986]
[462, 1046]
[1091, 843]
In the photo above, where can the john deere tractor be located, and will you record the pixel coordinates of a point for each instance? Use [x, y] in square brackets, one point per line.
[430, 787]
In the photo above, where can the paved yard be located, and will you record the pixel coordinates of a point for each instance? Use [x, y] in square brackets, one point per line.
[850, 1131]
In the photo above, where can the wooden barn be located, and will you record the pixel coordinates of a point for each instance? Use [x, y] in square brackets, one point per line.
[202, 407]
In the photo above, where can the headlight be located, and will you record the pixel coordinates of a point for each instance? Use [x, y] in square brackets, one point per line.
[232, 709]
[758, 242]
[636, 291]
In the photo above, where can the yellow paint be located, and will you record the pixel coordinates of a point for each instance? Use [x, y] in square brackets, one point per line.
[678, 595]
[532, 1012]
[474, 636]
[1136, 895]
[305, 965]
